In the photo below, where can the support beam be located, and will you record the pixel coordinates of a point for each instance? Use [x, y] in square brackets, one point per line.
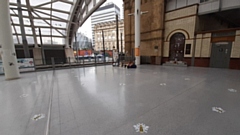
[86, 6]
[24, 39]
[137, 31]
[51, 31]
[103, 42]
[49, 24]
[50, 15]
[121, 45]
[56, 36]
[15, 30]
[55, 10]
[42, 8]
[79, 19]
[117, 36]
[45, 18]
[45, 3]
[8, 53]
[32, 23]
[100, 2]
[67, 2]
[47, 27]
[15, 4]
[42, 47]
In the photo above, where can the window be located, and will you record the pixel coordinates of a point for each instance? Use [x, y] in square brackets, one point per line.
[201, 1]
[188, 49]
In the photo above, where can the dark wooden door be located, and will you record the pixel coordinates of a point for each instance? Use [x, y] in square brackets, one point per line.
[177, 43]
[220, 56]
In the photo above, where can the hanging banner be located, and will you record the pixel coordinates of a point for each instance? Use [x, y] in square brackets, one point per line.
[24, 64]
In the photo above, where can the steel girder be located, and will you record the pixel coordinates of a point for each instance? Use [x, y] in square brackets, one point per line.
[80, 12]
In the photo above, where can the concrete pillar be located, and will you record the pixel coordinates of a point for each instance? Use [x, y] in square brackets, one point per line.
[37, 56]
[6, 41]
[69, 54]
[137, 30]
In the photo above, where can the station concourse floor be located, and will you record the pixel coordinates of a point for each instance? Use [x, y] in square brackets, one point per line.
[108, 100]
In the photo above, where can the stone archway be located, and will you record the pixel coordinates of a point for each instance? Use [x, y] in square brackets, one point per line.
[177, 43]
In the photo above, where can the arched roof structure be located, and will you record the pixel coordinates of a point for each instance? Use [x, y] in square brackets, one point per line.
[49, 22]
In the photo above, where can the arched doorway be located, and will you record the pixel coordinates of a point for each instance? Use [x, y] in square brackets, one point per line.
[177, 43]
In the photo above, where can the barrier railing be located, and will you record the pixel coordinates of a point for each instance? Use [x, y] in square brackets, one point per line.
[72, 61]
[80, 61]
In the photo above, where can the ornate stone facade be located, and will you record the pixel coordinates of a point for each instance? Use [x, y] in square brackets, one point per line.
[109, 30]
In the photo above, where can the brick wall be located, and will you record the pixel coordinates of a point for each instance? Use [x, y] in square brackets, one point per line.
[236, 46]
[184, 21]
[151, 27]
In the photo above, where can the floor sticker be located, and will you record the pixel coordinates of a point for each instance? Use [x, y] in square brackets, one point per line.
[218, 110]
[187, 79]
[232, 90]
[122, 84]
[38, 117]
[163, 84]
[24, 95]
[141, 128]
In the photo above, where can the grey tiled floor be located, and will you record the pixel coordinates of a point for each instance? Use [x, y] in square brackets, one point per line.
[110, 100]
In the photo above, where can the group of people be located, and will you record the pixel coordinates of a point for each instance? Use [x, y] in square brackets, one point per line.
[131, 64]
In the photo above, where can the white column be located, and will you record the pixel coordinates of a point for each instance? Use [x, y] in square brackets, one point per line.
[137, 30]
[6, 41]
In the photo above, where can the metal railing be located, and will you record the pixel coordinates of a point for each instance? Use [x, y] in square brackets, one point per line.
[71, 62]
[81, 61]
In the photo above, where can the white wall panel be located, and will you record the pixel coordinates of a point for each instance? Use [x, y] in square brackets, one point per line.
[209, 7]
[181, 3]
[230, 4]
[191, 2]
[171, 5]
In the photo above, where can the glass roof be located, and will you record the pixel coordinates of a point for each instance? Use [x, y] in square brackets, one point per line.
[52, 19]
